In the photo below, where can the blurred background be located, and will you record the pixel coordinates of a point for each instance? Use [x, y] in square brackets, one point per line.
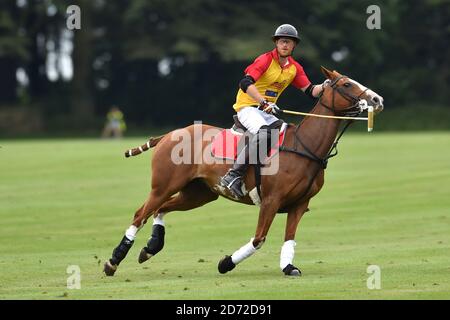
[166, 64]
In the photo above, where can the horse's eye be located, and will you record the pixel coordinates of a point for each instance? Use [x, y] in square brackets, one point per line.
[347, 84]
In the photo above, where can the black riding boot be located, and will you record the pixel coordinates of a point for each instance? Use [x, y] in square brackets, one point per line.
[255, 151]
[233, 179]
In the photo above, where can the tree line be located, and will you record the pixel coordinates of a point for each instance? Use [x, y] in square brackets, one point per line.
[168, 63]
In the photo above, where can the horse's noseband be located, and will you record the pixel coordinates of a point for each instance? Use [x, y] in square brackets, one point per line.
[357, 103]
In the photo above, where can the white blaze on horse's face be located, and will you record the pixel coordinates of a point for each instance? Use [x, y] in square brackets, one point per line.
[374, 99]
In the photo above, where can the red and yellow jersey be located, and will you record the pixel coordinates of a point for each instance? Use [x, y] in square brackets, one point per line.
[271, 79]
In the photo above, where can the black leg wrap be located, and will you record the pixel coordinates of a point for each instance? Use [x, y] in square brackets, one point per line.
[121, 251]
[226, 264]
[291, 270]
[156, 242]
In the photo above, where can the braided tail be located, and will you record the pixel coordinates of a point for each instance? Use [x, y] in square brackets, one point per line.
[138, 150]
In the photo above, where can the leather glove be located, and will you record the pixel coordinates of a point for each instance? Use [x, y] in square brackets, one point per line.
[269, 107]
[325, 84]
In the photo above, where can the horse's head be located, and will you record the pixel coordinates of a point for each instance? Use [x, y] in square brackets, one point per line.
[345, 96]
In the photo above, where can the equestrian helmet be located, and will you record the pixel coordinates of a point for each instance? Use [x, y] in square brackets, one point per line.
[286, 31]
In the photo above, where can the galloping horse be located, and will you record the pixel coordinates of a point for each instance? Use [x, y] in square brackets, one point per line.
[301, 163]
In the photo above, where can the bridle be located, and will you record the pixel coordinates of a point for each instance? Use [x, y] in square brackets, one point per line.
[356, 102]
[357, 106]
[355, 109]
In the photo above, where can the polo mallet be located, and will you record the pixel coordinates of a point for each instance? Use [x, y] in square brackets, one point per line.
[363, 105]
[369, 118]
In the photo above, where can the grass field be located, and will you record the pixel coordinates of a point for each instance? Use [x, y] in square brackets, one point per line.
[386, 202]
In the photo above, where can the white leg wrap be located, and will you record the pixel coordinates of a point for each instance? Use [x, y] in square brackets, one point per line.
[131, 232]
[159, 219]
[287, 253]
[243, 253]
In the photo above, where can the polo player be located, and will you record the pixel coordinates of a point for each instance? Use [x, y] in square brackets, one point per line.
[264, 81]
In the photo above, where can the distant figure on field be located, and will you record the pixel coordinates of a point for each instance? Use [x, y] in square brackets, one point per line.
[115, 124]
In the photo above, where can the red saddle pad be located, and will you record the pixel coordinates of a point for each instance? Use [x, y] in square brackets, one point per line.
[225, 143]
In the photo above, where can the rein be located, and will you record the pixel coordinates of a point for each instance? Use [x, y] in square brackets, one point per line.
[350, 113]
[309, 154]
[356, 108]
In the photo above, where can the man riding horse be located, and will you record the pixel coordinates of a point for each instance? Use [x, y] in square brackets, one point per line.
[264, 81]
[302, 159]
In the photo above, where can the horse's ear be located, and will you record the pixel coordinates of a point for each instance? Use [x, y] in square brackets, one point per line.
[336, 74]
[329, 74]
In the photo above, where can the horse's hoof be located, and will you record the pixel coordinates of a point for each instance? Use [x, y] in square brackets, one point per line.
[226, 264]
[291, 270]
[109, 268]
[144, 256]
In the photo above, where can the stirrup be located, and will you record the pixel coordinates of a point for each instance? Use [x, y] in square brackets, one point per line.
[234, 186]
[236, 191]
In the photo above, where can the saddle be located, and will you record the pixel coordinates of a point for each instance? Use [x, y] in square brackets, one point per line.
[225, 143]
[225, 146]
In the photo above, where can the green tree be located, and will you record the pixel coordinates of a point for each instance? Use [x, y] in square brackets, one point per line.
[13, 51]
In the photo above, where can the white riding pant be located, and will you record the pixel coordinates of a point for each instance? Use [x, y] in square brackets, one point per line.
[253, 119]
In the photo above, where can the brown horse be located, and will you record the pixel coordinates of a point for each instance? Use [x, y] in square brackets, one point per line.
[191, 184]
